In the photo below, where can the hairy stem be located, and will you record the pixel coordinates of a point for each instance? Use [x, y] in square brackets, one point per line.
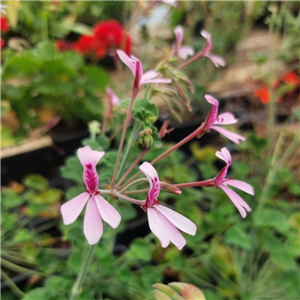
[132, 200]
[128, 116]
[132, 166]
[193, 184]
[82, 273]
[198, 132]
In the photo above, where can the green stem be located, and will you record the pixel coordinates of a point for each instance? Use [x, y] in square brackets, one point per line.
[147, 90]
[76, 289]
[271, 172]
[128, 146]
[12, 285]
[9, 265]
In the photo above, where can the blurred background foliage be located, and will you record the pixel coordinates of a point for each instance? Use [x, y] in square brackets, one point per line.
[230, 257]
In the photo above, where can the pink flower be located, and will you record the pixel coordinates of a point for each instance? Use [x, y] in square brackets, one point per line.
[216, 60]
[163, 221]
[182, 51]
[136, 68]
[114, 100]
[97, 207]
[213, 121]
[221, 182]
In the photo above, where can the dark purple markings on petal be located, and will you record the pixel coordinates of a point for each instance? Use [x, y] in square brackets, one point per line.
[154, 192]
[220, 120]
[91, 179]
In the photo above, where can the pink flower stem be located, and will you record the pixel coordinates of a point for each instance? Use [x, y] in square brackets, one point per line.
[131, 200]
[132, 166]
[198, 132]
[193, 58]
[128, 116]
[208, 182]
[137, 191]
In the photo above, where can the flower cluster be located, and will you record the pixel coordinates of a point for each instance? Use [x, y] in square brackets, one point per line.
[164, 222]
[106, 38]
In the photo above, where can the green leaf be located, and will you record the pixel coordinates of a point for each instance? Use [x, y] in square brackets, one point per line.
[73, 60]
[140, 105]
[38, 293]
[45, 50]
[49, 197]
[10, 198]
[139, 250]
[36, 182]
[271, 218]
[72, 169]
[283, 258]
[95, 78]
[81, 29]
[23, 235]
[291, 280]
[101, 143]
[235, 235]
[294, 189]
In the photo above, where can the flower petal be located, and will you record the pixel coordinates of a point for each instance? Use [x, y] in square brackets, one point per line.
[108, 213]
[114, 100]
[225, 155]
[152, 176]
[92, 225]
[72, 209]
[226, 118]
[236, 138]
[217, 60]
[149, 75]
[157, 80]
[185, 51]
[212, 100]
[241, 185]
[88, 156]
[170, 229]
[127, 61]
[239, 203]
[156, 226]
[208, 45]
[179, 36]
[180, 221]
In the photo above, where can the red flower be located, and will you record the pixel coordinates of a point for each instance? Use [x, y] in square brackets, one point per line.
[3, 24]
[290, 78]
[65, 45]
[90, 45]
[109, 32]
[107, 37]
[263, 93]
[2, 43]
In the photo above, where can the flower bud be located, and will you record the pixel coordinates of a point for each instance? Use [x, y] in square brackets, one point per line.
[146, 139]
[169, 188]
[184, 98]
[177, 290]
[94, 127]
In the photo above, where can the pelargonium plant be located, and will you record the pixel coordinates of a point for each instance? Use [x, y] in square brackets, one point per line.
[165, 223]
